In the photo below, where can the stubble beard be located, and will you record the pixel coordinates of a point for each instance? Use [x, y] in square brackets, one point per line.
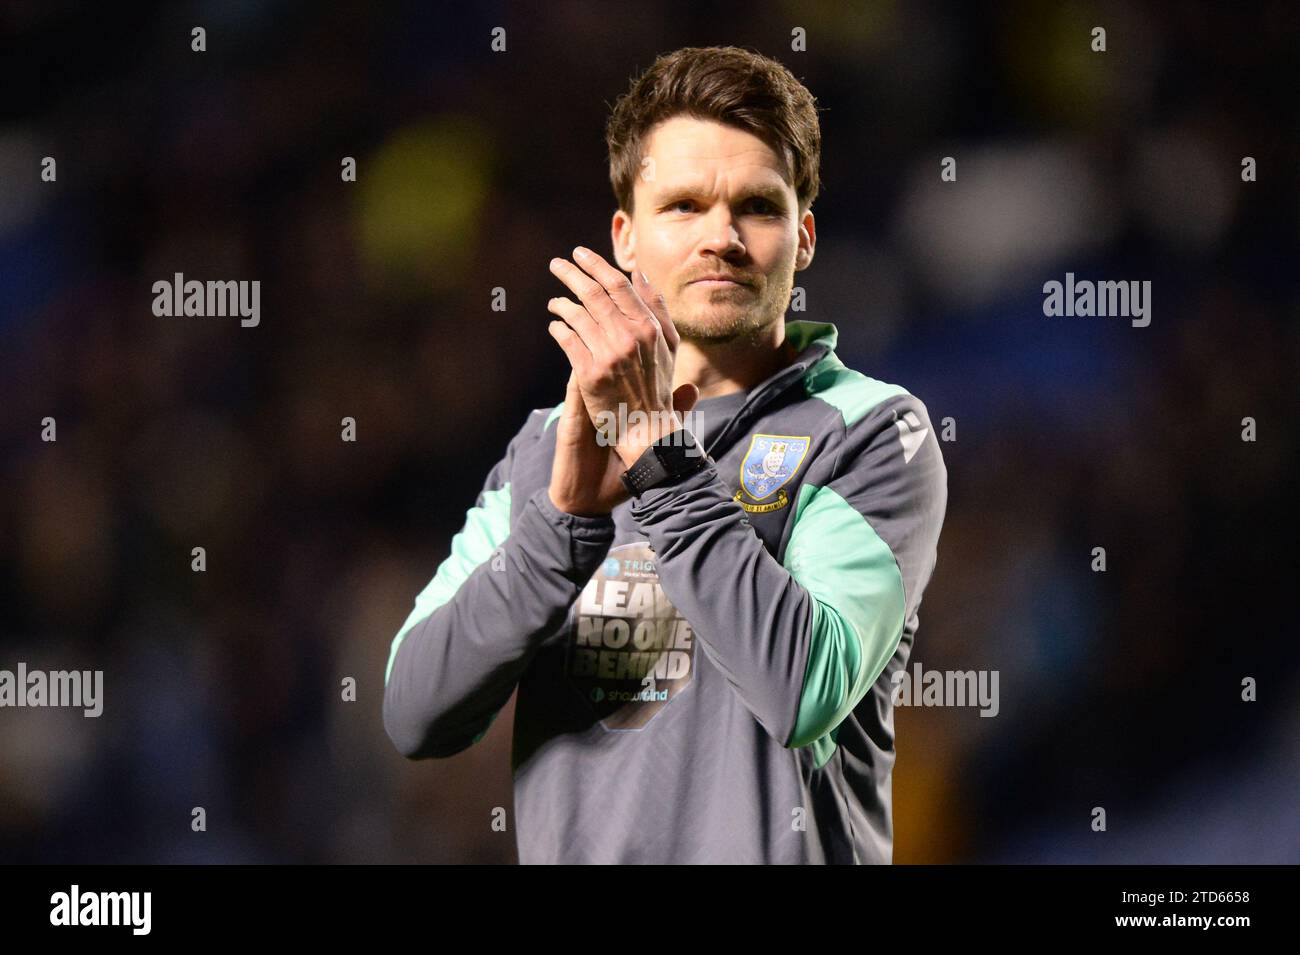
[730, 319]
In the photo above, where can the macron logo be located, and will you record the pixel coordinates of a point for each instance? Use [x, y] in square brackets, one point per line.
[910, 432]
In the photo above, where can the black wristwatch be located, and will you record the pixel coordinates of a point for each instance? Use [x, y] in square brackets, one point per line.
[668, 460]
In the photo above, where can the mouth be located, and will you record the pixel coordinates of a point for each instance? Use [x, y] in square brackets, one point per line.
[719, 283]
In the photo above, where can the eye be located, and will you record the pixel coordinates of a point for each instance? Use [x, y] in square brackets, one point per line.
[763, 207]
[682, 202]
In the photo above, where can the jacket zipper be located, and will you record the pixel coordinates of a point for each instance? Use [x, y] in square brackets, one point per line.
[767, 392]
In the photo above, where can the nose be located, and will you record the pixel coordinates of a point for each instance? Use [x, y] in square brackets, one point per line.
[720, 235]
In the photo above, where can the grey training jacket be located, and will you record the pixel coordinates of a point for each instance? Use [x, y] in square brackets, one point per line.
[704, 675]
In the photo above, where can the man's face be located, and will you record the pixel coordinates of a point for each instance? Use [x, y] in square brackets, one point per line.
[710, 199]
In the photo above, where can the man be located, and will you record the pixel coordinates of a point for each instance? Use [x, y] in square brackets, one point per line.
[702, 642]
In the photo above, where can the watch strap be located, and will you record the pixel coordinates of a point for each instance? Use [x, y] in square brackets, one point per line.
[671, 458]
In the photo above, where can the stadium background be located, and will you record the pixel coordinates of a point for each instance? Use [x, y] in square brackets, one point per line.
[1119, 689]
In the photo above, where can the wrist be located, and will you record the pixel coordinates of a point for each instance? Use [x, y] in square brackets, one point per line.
[636, 441]
[672, 458]
[573, 508]
[630, 453]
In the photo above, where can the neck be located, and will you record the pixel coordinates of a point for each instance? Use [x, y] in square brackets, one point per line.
[722, 368]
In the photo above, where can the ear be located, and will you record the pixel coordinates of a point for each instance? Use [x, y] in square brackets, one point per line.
[623, 240]
[807, 242]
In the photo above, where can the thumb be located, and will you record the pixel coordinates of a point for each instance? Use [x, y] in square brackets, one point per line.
[572, 399]
[684, 397]
[577, 416]
[573, 406]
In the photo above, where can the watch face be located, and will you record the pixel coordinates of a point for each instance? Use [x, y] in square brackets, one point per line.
[679, 453]
[673, 457]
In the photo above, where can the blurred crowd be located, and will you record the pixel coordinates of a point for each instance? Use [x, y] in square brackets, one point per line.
[1120, 689]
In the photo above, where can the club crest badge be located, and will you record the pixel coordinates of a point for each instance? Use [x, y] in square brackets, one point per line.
[769, 464]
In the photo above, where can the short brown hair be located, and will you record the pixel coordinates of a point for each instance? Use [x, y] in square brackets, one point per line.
[724, 83]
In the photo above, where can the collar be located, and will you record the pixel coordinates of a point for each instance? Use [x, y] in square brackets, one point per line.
[802, 334]
[813, 342]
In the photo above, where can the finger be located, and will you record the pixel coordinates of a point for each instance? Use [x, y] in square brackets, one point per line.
[580, 321]
[650, 295]
[685, 397]
[568, 340]
[615, 283]
[589, 292]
